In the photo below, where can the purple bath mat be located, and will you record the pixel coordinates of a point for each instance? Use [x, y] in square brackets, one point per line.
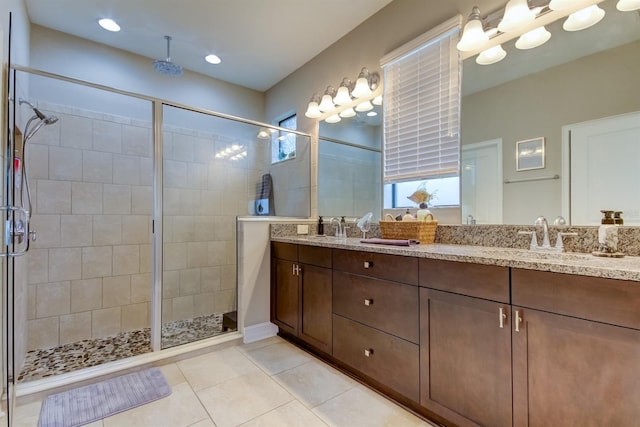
[94, 402]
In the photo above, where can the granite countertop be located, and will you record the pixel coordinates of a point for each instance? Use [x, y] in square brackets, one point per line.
[627, 268]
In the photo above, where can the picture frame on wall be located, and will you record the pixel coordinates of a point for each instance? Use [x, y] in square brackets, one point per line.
[530, 154]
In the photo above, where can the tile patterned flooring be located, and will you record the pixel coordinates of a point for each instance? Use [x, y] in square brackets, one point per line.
[65, 358]
[270, 383]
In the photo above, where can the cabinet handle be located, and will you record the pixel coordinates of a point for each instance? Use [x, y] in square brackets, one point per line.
[368, 264]
[517, 319]
[368, 302]
[293, 269]
[368, 352]
[502, 317]
[296, 270]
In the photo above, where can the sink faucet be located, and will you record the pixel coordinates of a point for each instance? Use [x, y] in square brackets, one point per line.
[338, 228]
[542, 221]
[546, 245]
[471, 220]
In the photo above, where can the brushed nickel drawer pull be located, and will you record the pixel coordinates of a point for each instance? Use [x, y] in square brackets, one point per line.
[503, 317]
[368, 302]
[368, 352]
[517, 319]
[368, 264]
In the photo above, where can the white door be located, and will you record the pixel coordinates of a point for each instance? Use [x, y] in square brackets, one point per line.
[603, 160]
[481, 174]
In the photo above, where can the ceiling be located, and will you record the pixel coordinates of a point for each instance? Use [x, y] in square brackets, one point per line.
[260, 41]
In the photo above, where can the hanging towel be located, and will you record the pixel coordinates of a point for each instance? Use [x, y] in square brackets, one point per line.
[394, 242]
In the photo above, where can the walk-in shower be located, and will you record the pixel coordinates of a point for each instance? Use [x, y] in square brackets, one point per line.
[135, 210]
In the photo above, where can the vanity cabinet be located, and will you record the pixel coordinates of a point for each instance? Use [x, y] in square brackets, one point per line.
[576, 350]
[302, 293]
[375, 320]
[465, 342]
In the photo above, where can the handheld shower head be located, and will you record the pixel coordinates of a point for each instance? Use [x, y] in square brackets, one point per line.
[47, 120]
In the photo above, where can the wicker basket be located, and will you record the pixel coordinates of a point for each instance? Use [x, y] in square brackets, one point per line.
[424, 231]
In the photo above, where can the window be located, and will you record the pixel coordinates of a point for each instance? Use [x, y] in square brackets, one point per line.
[445, 191]
[283, 146]
[422, 115]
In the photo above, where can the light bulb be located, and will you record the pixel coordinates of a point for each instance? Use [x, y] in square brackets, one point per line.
[362, 88]
[349, 112]
[516, 14]
[326, 104]
[491, 55]
[628, 5]
[109, 24]
[313, 111]
[365, 106]
[533, 38]
[342, 97]
[473, 35]
[583, 18]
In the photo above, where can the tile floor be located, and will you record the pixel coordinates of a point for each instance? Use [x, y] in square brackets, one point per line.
[263, 384]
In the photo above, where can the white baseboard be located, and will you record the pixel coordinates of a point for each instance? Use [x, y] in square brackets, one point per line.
[259, 332]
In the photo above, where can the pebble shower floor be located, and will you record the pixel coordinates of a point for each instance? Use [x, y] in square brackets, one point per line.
[65, 358]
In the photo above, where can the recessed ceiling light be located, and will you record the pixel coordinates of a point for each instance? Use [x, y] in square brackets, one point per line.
[109, 24]
[213, 59]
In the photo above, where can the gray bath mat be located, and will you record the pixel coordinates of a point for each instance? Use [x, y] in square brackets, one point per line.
[94, 402]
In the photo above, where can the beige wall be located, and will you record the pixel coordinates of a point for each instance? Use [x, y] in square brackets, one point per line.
[539, 105]
[396, 24]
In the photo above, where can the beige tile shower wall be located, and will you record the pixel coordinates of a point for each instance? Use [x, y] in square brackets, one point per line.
[202, 197]
[90, 267]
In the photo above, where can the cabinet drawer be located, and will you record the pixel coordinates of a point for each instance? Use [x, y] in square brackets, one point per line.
[594, 298]
[389, 306]
[477, 280]
[390, 267]
[314, 255]
[282, 250]
[392, 361]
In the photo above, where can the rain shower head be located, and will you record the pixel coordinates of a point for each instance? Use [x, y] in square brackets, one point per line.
[166, 66]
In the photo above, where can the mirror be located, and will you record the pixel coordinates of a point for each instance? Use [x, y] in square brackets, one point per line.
[575, 77]
[350, 166]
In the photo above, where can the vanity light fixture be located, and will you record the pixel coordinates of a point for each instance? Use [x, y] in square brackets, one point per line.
[628, 5]
[313, 110]
[473, 35]
[583, 18]
[348, 99]
[109, 24]
[516, 15]
[491, 55]
[533, 38]
[213, 59]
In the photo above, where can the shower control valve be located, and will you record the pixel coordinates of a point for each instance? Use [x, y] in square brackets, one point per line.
[33, 235]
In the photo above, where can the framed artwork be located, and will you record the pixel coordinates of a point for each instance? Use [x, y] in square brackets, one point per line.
[530, 154]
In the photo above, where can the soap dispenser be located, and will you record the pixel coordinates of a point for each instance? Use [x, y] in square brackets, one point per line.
[320, 226]
[607, 234]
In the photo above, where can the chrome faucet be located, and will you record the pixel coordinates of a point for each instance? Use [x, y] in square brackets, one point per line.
[546, 245]
[542, 221]
[471, 220]
[338, 228]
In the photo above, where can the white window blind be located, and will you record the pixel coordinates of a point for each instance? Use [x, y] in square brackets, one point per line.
[422, 106]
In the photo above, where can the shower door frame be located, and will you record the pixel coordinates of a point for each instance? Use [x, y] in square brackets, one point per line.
[157, 216]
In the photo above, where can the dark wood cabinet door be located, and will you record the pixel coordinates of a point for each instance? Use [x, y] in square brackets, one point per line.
[465, 359]
[315, 307]
[385, 358]
[574, 372]
[285, 294]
